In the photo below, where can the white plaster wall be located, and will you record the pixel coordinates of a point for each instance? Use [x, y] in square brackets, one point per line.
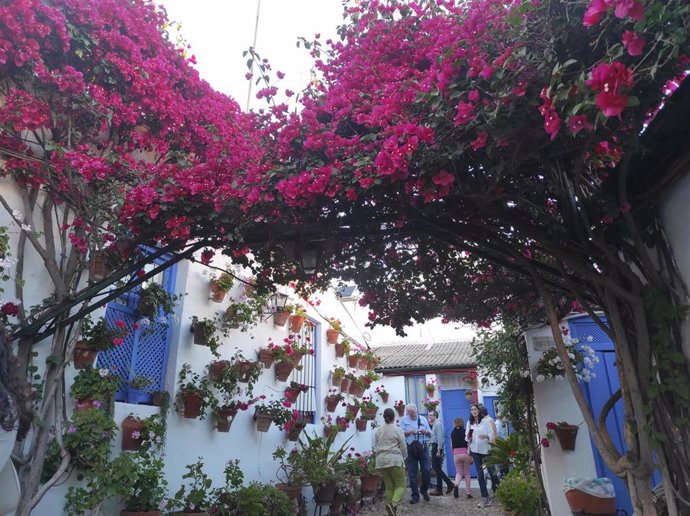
[555, 402]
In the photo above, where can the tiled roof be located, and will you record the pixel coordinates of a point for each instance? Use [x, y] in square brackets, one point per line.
[425, 355]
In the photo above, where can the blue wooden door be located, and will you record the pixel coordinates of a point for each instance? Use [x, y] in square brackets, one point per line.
[597, 392]
[454, 405]
[145, 348]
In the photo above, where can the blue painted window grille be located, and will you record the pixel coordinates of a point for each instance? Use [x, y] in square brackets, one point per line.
[306, 402]
[145, 348]
[415, 391]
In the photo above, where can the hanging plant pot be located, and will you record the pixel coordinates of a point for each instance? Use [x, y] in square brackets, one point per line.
[291, 394]
[217, 368]
[217, 292]
[352, 360]
[331, 403]
[363, 363]
[146, 306]
[327, 430]
[157, 398]
[566, 435]
[297, 357]
[324, 494]
[192, 405]
[281, 317]
[263, 421]
[345, 385]
[293, 433]
[296, 323]
[361, 424]
[340, 350]
[332, 336]
[336, 380]
[132, 429]
[230, 319]
[352, 410]
[283, 370]
[83, 355]
[356, 389]
[224, 419]
[245, 369]
[430, 391]
[370, 413]
[384, 396]
[400, 409]
[370, 484]
[266, 357]
[101, 265]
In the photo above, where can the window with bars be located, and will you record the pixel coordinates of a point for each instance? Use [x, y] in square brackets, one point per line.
[144, 352]
[306, 402]
[415, 390]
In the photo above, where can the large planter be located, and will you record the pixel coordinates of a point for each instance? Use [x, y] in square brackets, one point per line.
[224, 419]
[83, 355]
[370, 484]
[331, 403]
[263, 421]
[324, 494]
[132, 429]
[332, 336]
[296, 323]
[340, 350]
[266, 357]
[566, 435]
[280, 318]
[217, 293]
[192, 405]
[283, 370]
[361, 424]
[585, 503]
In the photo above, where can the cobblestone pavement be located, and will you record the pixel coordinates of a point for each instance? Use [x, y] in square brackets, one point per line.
[438, 506]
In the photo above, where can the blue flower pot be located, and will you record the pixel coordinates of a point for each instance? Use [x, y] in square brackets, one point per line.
[138, 396]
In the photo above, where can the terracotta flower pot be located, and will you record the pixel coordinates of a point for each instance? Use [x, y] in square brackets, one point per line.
[361, 424]
[229, 317]
[566, 435]
[356, 389]
[293, 433]
[192, 405]
[362, 364]
[297, 357]
[296, 323]
[146, 306]
[340, 350]
[352, 360]
[224, 419]
[217, 293]
[292, 394]
[245, 368]
[83, 355]
[266, 357]
[336, 381]
[132, 429]
[263, 421]
[292, 491]
[283, 370]
[157, 398]
[400, 409]
[324, 494]
[352, 410]
[332, 336]
[215, 370]
[280, 318]
[101, 266]
[345, 385]
[370, 413]
[384, 396]
[331, 403]
[370, 484]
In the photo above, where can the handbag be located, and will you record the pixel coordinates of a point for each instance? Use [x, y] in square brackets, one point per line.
[416, 447]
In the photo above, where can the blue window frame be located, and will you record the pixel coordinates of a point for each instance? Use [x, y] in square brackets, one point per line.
[416, 392]
[145, 349]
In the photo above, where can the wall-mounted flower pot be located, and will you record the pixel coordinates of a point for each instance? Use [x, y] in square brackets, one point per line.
[263, 421]
[297, 357]
[363, 364]
[352, 410]
[566, 435]
[281, 317]
[291, 394]
[296, 323]
[138, 396]
[216, 369]
[332, 336]
[400, 409]
[361, 424]
[146, 306]
[352, 360]
[217, 293]
[384, 396]
[83, 355]
[331, 403]
[336, 380]
[100, 266]
[192, 405]
[356, 389]
[157, 398]
[345, 385]
[340, 350]
[283, 370]
[370, 413]
[230, 319]
[430, 391]
[266, 357]
[245, 369]
[328, 429]
[224, 419]
[132, 429]
[293, 433]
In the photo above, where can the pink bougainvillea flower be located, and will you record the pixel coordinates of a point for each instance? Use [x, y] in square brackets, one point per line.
[610, 80]
[633, 42]
[577, 123]
[627, 8]
[443, 178]
[545, 442]
[552, 123]
[594, 13]
[465, 113]
[480, 141]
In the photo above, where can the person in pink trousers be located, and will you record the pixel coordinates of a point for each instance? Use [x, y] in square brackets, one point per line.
[461, 458]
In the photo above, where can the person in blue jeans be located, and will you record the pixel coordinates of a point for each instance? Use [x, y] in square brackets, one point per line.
[479, 435]
[416, 427]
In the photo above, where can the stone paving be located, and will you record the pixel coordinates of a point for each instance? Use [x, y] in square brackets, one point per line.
[438, 506]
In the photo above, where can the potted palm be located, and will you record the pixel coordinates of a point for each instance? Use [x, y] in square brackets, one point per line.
[194, 396]
[95, 337]
[220, 286]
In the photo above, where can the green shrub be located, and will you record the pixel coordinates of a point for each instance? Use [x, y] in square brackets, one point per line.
[520, 493]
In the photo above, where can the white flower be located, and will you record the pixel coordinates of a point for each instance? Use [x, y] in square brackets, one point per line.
[17, 214]
[525, 374]
[590, 338]
[559, 377]
[162, 320]
[144, 321]
[103, 372]
[574, 341]
[25, 227]
[540, 378]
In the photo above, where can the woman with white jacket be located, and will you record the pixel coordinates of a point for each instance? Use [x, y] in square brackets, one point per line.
[479, 434]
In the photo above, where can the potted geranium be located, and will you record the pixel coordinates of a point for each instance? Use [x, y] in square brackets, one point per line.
[334, 331]
[92, 387]
[274, 411]
[368, 407]
[194, 396]
[294, 426]
[431, 404]
[281, 314]
[225, 412]
[342, 348]
[337, 375]
[583, 360]
[198, 496]
[333, 398]
[95, 337]
[298, 318]
[243, 315]
[382, 392]
[220, 286]
[430, 387]
[293, 390]
[205, 333]
[564, 432]
[87, 437]
[399, 407]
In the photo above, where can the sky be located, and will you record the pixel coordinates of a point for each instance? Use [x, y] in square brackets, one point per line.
[219, 31]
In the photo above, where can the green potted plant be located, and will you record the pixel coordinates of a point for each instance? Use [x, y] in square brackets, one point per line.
[333, 399]
[219, 286]
[147, 490]
[225, 411]
[281, 314]
[295, 426]
[205, 333]
[382, 392]
[290, 475]
[343, 348]
[87, 436]
[368, 407]
[274, 411]
[293, 390]
[519, 493]
[297, 319]
[334, 331]
[136, 389]
[198, 496]
[95, 337]
[243, 315]
[154, 299]
[93, 385]
[399, 407]
[337, 375]
[194, 395]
